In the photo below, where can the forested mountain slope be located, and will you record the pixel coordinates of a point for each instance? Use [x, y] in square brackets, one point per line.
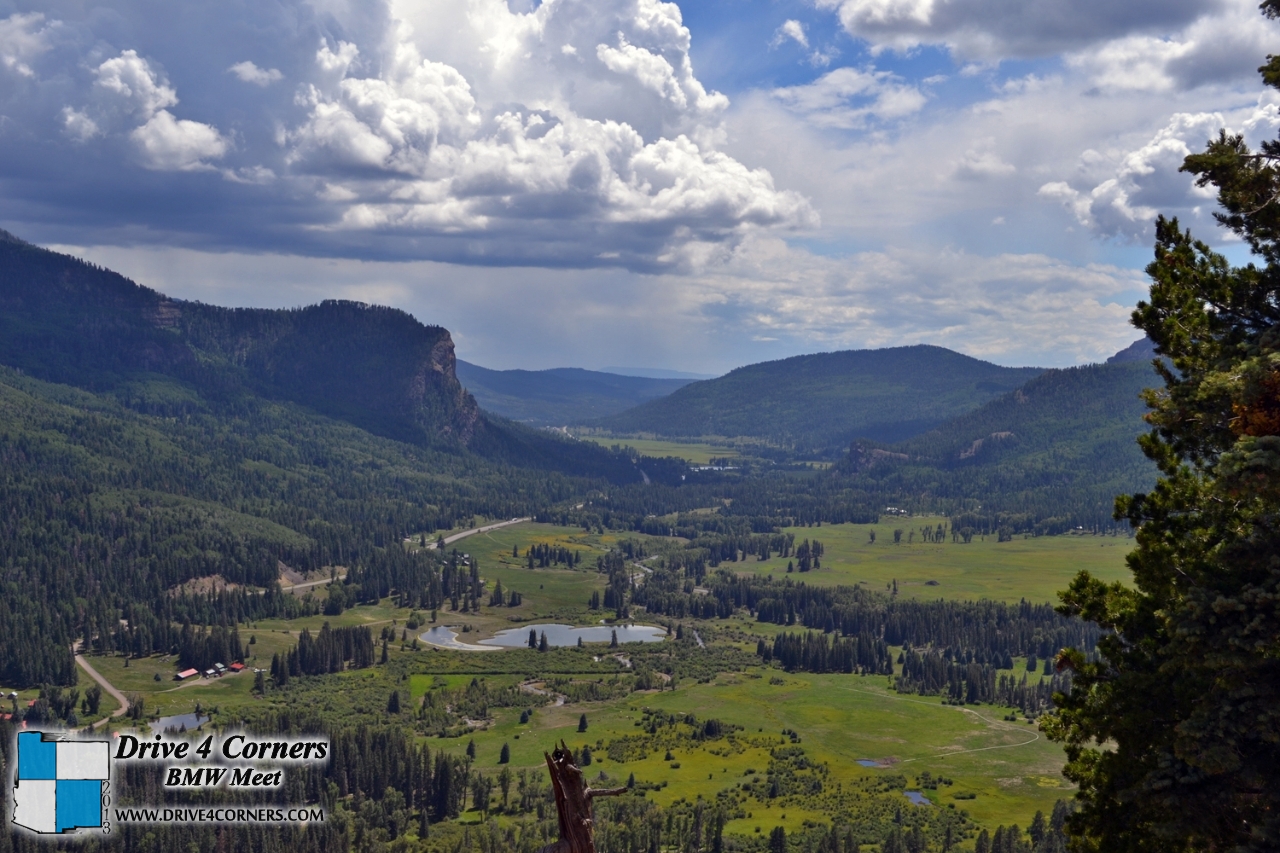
[823, 401]
[1060, 446]
[109, 508]
[564, 395]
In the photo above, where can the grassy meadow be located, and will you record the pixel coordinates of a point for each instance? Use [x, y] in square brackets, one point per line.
[1034, 568]
[694, 452]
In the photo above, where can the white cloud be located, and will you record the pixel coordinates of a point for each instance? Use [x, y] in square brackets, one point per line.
[848, 97]
[418, 154]
[78, 125]
[129, 77]
[791, 29]
[178, 145]
[247, 72]
[982, 163]
[1214, 48]
[654, 72]
[129, 91]
[977, 29]
[1137, 185]
[23, 37]
[1006, 307]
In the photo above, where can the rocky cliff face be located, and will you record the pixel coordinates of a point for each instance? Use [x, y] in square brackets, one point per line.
[438, 378]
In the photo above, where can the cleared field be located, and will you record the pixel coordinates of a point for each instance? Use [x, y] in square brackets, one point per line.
[695, 453]
[1010, 768]
[1034, 569]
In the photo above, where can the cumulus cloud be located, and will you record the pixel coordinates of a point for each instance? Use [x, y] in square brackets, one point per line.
[412, 149]
[1212, 49]
[23, 37]
[247, 72]
[128, 90]
[1145, 181]
[78, 125]
[978, 29]
[791, 29]
[178, 145]
[130, 78]
[573, 133]
[848, 97]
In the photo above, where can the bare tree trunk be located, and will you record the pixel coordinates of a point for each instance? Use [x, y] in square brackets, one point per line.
[573, 803]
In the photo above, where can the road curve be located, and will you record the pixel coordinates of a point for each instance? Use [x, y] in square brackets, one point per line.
[106, 685]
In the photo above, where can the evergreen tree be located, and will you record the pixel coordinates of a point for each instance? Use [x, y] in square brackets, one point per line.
[1187, 684]
[393, 703]
[582, 723]
[778, 840]
[504, 757]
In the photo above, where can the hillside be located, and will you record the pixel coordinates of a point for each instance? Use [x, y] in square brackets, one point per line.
[822, 402]
[66, 321]
[1061, 446]
[565, 395]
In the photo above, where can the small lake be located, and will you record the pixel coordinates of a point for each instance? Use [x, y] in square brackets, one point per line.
[567, 635]
[869, 762]
[918, 798]
[557, 635]
[178, 722]
[447, 638]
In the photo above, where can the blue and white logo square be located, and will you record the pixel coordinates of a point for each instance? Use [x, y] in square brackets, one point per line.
[60, 786]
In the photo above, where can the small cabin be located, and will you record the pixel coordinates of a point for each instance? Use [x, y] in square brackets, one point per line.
[236, 667]
[186, 673]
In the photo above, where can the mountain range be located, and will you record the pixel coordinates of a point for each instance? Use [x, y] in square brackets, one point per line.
[819, 403]
[560, 396]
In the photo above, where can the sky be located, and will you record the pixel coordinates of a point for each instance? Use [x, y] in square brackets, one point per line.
[584, 183]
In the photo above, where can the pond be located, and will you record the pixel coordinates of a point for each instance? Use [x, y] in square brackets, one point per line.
[918, 798]
[447, 638]
[567, 635]
[179, 722]
[557, 635]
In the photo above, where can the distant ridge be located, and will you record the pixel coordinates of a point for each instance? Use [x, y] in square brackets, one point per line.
[820, 402]
[1058, 449]
[657, 373]
[1143, 349]
[560, 396]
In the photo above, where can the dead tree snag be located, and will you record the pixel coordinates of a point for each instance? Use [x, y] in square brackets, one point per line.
[573, 803]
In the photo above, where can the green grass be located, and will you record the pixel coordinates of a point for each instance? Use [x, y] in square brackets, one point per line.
[1010, 767]
[695, 453]
[1034, 569]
